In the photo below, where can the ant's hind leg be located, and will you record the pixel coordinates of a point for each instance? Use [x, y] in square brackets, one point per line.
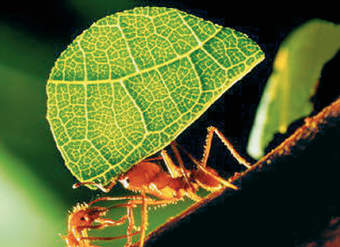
[204, 174]
[208, 141]
[173, 170]
[180, 171]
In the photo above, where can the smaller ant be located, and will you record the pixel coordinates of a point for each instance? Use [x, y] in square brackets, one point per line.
[148, 177]
[84, 218]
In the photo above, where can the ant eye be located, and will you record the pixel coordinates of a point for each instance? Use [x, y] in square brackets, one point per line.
[84, 218]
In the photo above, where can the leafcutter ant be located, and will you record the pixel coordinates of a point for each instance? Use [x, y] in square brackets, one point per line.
[148, 178]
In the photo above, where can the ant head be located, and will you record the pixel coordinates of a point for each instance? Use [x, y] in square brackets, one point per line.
[83, 215]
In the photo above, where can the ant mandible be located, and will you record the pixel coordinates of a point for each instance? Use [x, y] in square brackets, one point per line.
[148, 178]
[85, 217]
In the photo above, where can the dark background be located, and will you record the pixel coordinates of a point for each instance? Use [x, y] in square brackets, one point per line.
[281, 214]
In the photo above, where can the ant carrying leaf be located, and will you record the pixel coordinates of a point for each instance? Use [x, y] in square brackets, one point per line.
[148, 178]
[128, 86]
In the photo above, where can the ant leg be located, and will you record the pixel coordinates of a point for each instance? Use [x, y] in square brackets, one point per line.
[143, 201]
[173, 170]
[99, 186]
[108, 238]
[135, 200]
[192, 194]
[144, 213]
[103, 224]
[154, 158]
[206, 171]
[213, 130]
[131, 226]
[180, 161]
[179, 172]
[118, 198]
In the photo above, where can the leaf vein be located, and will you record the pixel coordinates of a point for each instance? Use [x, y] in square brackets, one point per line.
[128, 47]
[143, 70]
[136, 105]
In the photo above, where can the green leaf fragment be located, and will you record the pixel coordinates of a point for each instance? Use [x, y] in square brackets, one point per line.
[297, 69]
[131, 83]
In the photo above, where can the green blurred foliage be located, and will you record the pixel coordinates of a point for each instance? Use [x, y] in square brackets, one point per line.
[24, 67]
[32, 181]
[31, 215]
[294, 80]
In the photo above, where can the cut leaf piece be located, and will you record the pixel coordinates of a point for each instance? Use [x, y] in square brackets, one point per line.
[130, 84]
[297, 69]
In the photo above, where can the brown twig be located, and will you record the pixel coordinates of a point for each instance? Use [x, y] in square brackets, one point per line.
[308, 131]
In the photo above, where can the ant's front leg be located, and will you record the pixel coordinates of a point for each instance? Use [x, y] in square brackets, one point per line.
[131, 226]
[143, 201]
[131, 229]
[107, 238]
[134, 201]
[99, 186]
[104, 222]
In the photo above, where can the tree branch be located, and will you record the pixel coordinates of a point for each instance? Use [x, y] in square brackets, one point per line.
[295, 183]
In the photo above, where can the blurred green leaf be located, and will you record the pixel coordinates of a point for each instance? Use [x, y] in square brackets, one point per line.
[23, 52]
[297, 69]
[24, 66]
[34, 186]
[23, 69]
[31, 215]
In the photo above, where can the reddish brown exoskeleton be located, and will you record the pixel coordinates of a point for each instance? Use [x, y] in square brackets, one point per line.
[85, 217]
[148, 178]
